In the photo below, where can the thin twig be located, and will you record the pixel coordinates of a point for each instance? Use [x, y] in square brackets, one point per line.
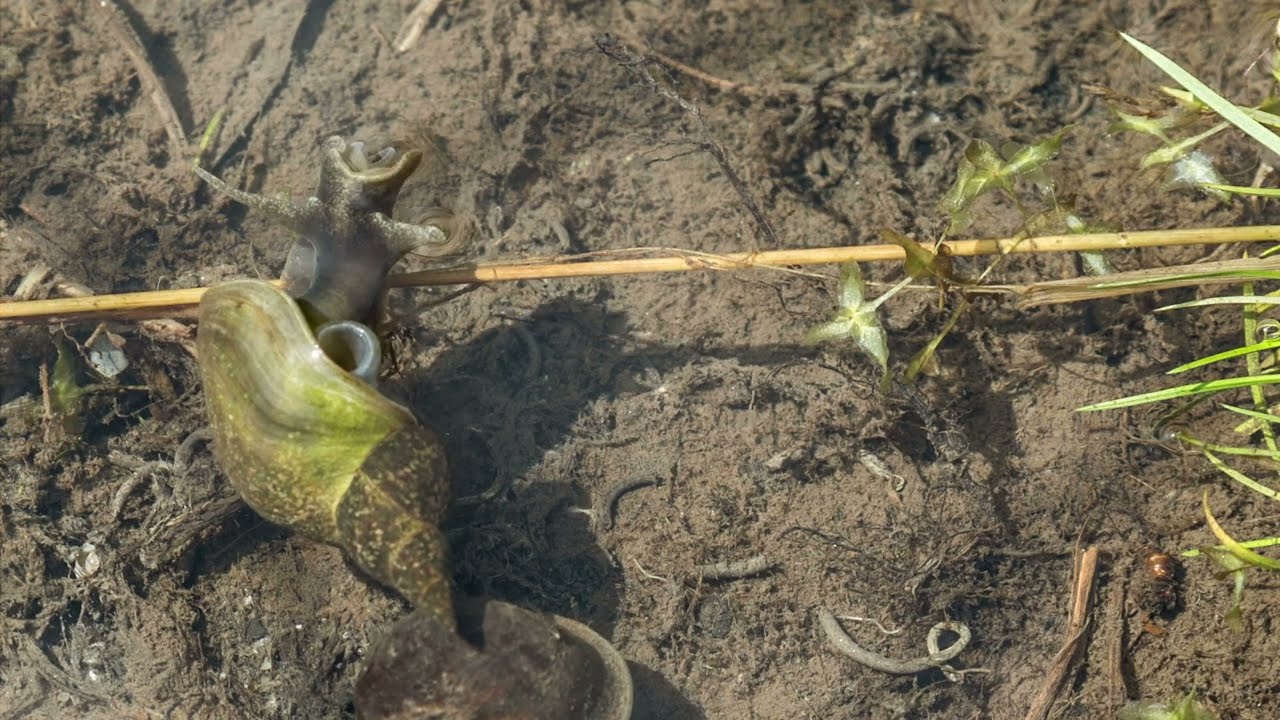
[122, 31]
[826, 79]
[703, 76]
[734, 569]
[46, 397]
[1118, 689]
[414, 23]
[182, 303]
[1077, 621]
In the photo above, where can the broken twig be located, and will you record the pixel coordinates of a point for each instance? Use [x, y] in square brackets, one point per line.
[182, 303]
[122, 31]
[1078, 619]
[414, 23]
[617, 50]
[734, 569]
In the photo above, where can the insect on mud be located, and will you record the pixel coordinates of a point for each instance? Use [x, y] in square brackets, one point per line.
[1162, 570]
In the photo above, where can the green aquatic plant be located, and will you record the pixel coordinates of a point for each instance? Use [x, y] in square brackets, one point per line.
[1186, 709]
[1190, 166]
[856, 318]
[1261, 333]
[65, 392]
[982, 171]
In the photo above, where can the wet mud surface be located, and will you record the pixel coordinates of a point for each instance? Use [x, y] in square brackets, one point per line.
[612, 435]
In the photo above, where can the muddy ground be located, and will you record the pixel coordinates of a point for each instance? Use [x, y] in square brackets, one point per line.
[682, 413]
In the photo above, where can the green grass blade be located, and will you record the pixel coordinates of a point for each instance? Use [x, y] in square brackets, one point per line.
[1235, 450]
[1223, 300]
[1251, 544]
[1256, 415]
[1181, 391]
[1254, 363]
[1232, 545]
[1263, 116]
[1225, 108]
[1226, 355]
[1241, 478]
[1178, 277]
[1245, 190]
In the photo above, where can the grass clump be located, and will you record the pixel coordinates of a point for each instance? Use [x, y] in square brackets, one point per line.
[1261, 332]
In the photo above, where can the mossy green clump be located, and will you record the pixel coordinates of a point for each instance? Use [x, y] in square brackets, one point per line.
[1187, 709]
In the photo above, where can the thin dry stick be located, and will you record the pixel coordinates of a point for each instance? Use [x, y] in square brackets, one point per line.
[182, 303]
[1151, 279]
[414, 23]
[805, 92]
[1076, 623]
[1118, 689]
[120, 29]
[733, 569]
[703, 76]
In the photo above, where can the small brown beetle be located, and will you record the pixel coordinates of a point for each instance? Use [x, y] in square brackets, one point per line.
[1162, 573]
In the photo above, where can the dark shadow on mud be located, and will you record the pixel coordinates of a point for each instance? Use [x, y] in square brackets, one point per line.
[505, 402]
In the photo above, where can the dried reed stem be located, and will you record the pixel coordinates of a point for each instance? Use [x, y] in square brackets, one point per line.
[182, 303]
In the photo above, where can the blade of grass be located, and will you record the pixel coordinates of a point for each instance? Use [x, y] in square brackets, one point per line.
[1181, 391]
[1245, 190]
[1254, 364]
[1240, 477]
[1263, 416]
[1222, 300]
[1233, 450]
[1233, 546]
[1146, 280]
[1251, 544]
[1225, 108]
[1226, 355]
[1234, 274]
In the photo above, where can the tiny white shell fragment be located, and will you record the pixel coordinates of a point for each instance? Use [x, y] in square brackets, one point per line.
[872, 462]
[86, 561]
[106, 354]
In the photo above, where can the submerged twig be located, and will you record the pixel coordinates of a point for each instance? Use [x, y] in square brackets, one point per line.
[1077, 621]
[636, 64]
[122, 31]
[414, 23]
[182, 303]
[733, 569]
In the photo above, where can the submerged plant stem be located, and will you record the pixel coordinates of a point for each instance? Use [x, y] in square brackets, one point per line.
[181, 303]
